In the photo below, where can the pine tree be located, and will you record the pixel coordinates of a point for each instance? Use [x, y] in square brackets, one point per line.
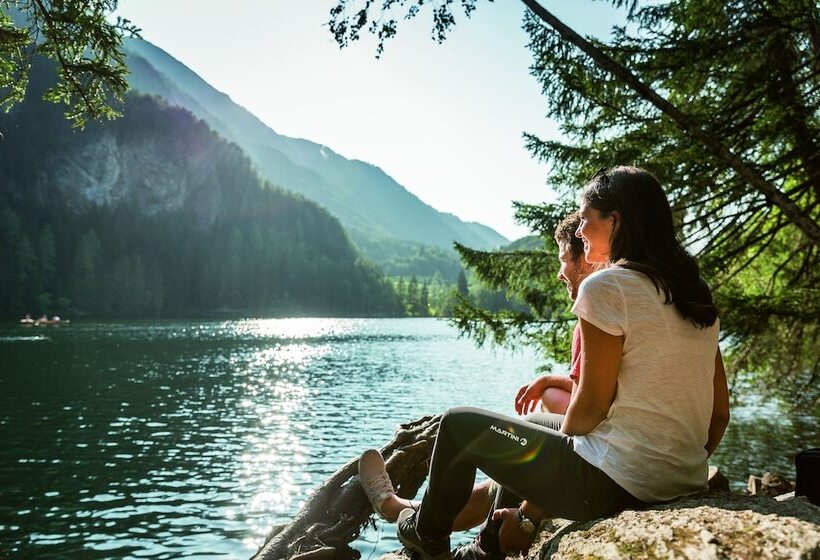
[412, 301]
[721, 100]
[86, 272]
[461, 284]
[424, 301]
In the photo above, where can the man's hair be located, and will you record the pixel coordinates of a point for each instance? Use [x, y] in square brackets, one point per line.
[565, 235]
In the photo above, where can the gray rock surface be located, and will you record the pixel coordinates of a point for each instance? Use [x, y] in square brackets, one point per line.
[712, 526]
[725, 526]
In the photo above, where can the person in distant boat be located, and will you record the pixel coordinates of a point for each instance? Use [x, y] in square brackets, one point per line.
[552, 392]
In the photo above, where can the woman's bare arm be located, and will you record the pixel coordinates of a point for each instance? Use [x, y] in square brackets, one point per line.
[600, 363]
[720, 406]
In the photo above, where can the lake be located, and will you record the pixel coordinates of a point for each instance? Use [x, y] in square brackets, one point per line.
[190, 439]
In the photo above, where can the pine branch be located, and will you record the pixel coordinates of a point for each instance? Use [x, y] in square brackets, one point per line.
[752, 177]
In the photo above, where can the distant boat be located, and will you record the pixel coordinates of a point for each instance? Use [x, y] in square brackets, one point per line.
[43, 321]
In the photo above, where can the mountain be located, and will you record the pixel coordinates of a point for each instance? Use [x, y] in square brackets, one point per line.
[372, 206]
[154, 214]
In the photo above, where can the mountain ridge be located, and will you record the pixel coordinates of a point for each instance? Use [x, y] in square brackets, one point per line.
[368, 202]
[156, 215]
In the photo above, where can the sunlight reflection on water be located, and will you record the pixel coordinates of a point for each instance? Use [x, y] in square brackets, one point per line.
[179, 439]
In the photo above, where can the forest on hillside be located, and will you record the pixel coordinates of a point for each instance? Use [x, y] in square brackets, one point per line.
[81, 233]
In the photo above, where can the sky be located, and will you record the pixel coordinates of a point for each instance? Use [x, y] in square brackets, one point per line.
[445, 121]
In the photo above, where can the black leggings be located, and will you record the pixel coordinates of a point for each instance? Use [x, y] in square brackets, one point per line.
[528, 460]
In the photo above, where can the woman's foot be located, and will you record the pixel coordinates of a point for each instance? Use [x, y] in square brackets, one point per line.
[377, 486]
[376, 483]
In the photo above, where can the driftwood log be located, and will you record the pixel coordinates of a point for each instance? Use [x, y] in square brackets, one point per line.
[336, 512]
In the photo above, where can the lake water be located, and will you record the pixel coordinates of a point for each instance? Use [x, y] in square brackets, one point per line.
[189, 439]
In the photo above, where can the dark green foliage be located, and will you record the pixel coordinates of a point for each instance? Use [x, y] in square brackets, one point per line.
[461, 284]
[415, 297]
[349, 17]
[530, 304]
[721, 100]
[747, 74]
[184, 228]
[82, 39]
[427, 296]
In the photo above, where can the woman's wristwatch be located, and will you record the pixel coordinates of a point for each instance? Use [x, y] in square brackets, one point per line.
[525, 523]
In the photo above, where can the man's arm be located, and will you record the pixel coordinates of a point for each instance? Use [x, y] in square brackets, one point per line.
[560, 381]
[510, 536]
[529, 396]
[720, 406]
[601, 355]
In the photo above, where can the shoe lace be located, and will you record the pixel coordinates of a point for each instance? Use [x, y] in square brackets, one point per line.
[381, 485]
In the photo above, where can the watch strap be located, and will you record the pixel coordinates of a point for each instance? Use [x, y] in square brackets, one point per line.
[525, 523]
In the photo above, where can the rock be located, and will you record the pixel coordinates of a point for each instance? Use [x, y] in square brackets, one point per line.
[786, 496]
[770, 484]
[722, 526]
[710, 526]
[717, 481]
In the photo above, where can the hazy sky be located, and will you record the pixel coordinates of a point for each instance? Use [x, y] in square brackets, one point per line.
[445, 120]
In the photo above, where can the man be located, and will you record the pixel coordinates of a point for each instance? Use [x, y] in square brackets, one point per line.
[551, 392]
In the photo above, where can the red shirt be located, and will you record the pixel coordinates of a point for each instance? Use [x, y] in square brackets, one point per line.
[575, 364]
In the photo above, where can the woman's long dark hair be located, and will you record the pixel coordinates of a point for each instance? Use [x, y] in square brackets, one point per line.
[644, 239]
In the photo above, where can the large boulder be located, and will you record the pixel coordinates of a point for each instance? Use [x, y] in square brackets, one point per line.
[712, 526]
[719, 526]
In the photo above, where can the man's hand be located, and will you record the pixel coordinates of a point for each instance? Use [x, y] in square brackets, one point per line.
[529, 396]
[511, 538]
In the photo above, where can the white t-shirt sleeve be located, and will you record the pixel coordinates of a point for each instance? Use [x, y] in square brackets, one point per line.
[601, 302]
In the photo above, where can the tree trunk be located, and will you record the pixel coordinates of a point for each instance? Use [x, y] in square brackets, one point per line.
[337, 510]
[791, 210]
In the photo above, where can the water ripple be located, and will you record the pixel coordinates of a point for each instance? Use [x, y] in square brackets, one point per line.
[190, 439]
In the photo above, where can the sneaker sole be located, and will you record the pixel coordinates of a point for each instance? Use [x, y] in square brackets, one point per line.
[413, 548]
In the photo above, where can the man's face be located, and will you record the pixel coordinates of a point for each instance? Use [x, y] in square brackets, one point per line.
[572, 271]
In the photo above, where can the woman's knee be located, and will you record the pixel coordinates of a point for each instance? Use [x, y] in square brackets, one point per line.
[457, 420]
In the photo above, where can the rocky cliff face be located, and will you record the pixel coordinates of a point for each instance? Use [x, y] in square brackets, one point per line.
[148, 172]
[105, 172]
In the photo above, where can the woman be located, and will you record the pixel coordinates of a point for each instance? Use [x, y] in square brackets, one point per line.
[651, 404]
[550, 393]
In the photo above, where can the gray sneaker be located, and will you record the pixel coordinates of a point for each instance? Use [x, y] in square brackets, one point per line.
[374, 480]
[425, 549]
[473, 551]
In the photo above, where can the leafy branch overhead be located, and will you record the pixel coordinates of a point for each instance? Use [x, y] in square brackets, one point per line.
[85, 42]
[721, 100]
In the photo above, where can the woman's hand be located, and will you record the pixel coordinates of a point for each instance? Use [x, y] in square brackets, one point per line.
[529, 396]
[511, 538]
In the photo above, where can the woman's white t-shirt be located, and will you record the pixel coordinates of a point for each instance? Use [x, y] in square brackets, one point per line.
[652, 440]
